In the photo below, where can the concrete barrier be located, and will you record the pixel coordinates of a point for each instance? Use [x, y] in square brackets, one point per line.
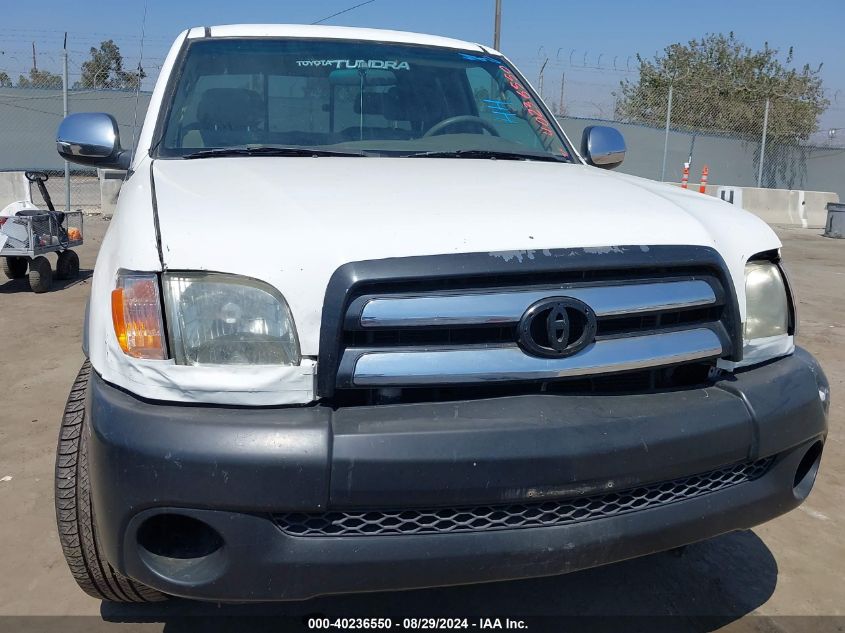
[13, 187]
[110, 183]
[784, 207]
[790, 207]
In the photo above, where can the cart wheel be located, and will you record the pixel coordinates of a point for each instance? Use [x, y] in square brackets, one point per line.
[40, 274]
[15, 267]
[67, 267]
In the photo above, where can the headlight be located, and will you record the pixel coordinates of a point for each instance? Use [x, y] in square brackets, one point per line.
[766, 303]
[218, 319]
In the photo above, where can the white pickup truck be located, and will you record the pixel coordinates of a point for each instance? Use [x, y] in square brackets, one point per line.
[365, 319]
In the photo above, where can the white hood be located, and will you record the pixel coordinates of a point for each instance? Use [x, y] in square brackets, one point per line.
[292, 221]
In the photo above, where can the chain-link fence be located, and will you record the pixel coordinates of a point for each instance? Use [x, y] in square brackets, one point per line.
[29, 118]
[33, 103]
[745, 135]
[771, 131]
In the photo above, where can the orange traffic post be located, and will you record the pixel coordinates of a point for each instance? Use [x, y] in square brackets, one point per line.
[705, 171]
[685, 176]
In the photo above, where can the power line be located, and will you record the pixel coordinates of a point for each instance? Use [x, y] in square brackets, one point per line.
[58, 34]
[334, 15]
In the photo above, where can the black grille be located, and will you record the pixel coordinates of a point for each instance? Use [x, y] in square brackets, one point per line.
[634, 324]
[693, 375]
[491, 335]
[479, 271]
[514, 516]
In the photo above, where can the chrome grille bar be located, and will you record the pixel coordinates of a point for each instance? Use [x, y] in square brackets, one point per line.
[462, 365]
[489, 308]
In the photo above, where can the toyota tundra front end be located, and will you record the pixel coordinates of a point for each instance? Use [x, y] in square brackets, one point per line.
[365, 319]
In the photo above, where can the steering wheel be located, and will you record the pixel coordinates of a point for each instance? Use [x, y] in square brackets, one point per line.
[455, 120]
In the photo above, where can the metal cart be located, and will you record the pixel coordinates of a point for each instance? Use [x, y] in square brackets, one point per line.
[26, 237]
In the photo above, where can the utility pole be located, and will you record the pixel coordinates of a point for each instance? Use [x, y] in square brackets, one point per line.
[497, 26]
[666, 136]
[34, 63]
[64, 99]
[540, 82]
[763, 145]
[560, 108]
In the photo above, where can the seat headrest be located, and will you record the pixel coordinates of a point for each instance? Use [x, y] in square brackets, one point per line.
[373, 103]
[394, 106]
[400, 104]
[230, 109]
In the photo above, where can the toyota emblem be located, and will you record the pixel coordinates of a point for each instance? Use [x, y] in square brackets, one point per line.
[556, 327]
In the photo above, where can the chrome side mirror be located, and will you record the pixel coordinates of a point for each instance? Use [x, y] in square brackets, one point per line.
[603, 146]
[92, 138]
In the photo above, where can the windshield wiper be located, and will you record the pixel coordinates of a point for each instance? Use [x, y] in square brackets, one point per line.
[485, 153]
[267, 150]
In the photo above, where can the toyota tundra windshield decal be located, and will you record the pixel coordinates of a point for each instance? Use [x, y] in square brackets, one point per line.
[386, 64]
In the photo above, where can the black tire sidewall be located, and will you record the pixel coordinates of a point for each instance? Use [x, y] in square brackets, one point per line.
[40, 274]
[67, 265]
[75, 512]
[15, 267]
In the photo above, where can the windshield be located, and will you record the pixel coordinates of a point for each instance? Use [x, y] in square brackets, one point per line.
[351, 97]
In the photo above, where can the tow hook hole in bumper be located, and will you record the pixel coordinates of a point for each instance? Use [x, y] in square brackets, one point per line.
[181, 549]
[805, 474]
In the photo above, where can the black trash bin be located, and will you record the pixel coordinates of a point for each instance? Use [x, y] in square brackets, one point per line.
[835, 225]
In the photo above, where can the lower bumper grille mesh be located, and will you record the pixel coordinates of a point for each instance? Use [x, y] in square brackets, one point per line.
[514, 516]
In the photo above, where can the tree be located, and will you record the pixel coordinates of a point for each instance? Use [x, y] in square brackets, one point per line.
[720, 84]
[40, 79]
[105, 70]
[5, 81]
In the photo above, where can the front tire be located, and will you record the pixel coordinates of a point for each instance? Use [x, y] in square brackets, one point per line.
[77, 532]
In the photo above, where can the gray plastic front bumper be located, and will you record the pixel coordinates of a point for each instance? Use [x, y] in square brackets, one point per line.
[230, 468]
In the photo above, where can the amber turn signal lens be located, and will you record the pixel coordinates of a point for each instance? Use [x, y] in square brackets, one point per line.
[136, 314]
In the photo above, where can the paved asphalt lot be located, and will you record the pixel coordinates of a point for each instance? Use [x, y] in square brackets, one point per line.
[792, 566]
